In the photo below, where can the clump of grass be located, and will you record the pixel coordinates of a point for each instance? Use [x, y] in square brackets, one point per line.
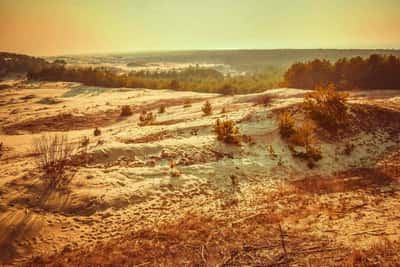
[97, 132]
[146, 118]
[187, 104]
[53, 153]
[286, 124]
[227, 132]
[161, 109]
[327, 107]
[126, 111]
[207, 108]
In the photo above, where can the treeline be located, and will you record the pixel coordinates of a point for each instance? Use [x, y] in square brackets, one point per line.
[190, 79]
[10, 62]
[374, 72]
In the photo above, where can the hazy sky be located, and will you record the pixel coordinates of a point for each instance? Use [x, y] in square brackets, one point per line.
[57, 27]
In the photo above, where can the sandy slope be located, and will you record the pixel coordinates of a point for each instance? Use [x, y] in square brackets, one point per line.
[127, 184]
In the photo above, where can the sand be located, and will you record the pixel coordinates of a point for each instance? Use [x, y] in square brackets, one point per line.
[127, 183]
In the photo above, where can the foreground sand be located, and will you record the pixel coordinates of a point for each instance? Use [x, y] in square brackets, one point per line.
[221, 206]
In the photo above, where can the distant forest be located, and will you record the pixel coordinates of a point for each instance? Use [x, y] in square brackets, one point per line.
[372, 72]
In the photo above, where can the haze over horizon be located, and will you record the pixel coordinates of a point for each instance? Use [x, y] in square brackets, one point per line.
[46, 27]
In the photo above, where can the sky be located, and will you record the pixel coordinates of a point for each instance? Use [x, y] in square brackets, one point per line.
[66, 27]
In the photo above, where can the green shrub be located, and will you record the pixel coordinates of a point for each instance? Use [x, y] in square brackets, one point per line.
[227, 132]
[327, 107]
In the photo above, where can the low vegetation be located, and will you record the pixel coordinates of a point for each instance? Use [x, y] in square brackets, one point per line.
[126, 111]
[207, 108]
[161, 109]
[146, 118]
[227, 131]
[53, 153]
[327, 107]
[190, 79]
[97, 132]
[301, 136]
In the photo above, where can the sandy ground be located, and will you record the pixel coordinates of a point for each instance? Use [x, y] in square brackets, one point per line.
[127, 185]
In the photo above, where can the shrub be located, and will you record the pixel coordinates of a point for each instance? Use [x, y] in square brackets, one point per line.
[97, 132]
[146, 118]
[53, 153]
[126, 111]
[327, 107]
[286, 124]
[207, 108]
[227, 132]
[302, 136]
[161, 109]
[1, 149]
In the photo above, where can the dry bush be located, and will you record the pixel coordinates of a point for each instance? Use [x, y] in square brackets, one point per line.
[126, 111]
[327, 107]
[53, 153]
[97, 132]
[161, 109]
[207, 108]
[146, 118]
[227, 132]
[286, 124]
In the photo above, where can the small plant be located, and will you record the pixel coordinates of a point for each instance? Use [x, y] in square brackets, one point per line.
[223, 110]
[1, 149]
[207, 108]
[327, 107]
[271, 152]
[161, 109]
[286, 124]
[53, 153]
[146, 118]
[126, 111]
[173, 171]
[187, 104]
[227, 132]
[97, 132]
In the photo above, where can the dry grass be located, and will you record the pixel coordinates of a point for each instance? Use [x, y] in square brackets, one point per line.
[53, 153]
[286, 124]
[383, 253]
